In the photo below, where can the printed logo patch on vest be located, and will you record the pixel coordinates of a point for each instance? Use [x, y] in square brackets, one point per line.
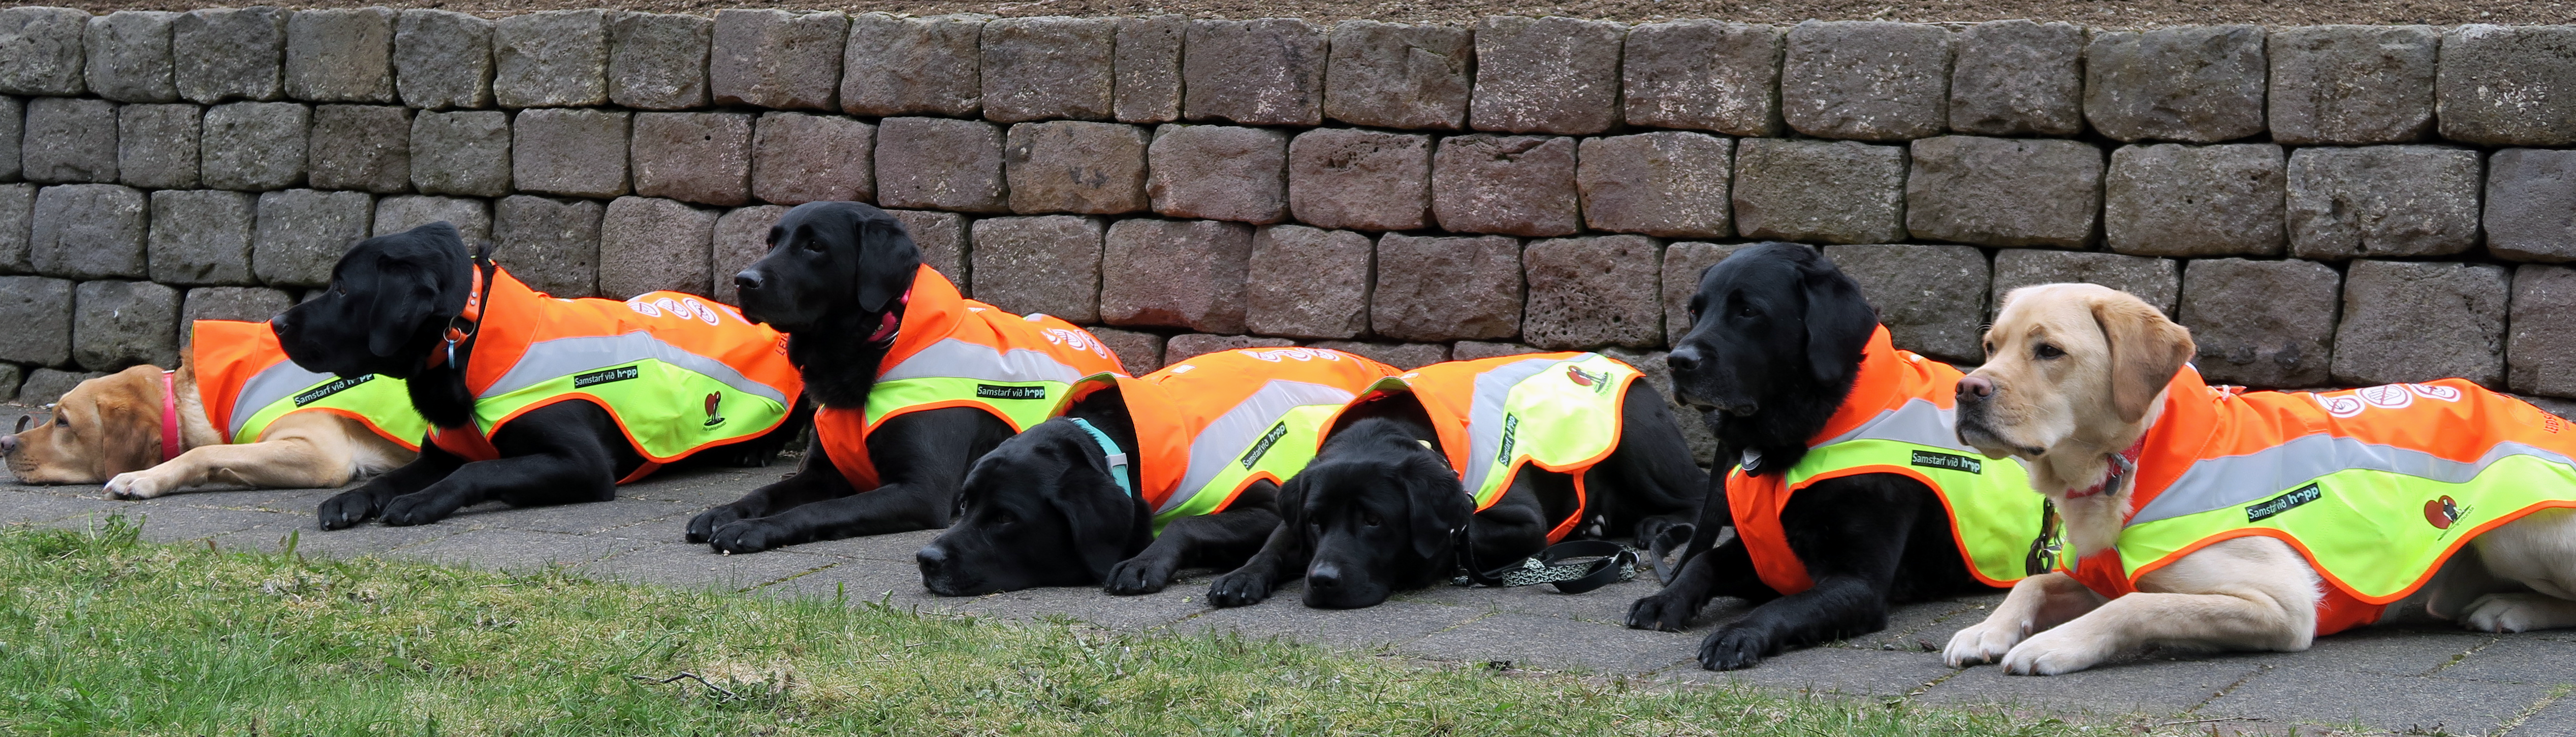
[993, 391]
[2283, 503]
[604, 376]
[1929, 459]
[1511, 433]
[316, 394]
[1262, 448]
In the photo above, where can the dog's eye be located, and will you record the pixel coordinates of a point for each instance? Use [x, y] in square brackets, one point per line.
[814, 245]
[1369, 518]
[2045, 351]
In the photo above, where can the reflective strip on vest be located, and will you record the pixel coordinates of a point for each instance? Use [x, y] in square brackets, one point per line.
[1020, 384]
[2220, 483]
[550, 360]
[383, 402]
[1272, 430]
[1995, 515]
[1519, 414]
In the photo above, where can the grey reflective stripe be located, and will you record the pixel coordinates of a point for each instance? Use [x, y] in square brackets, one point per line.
[1485, 416]
[951, 358]
[1225, 440]
[269, 385]
[2219, 483]
[1917, 421]
[547, 360]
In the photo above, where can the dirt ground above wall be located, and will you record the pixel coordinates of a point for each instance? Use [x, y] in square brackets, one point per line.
[2095, 13]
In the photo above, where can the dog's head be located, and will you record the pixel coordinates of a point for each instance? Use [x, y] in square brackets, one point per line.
[106, 426]
[2069, 367]
[1775, 341]
[389, 300]
[842, 260]
[1040, 510]
[1379, 509]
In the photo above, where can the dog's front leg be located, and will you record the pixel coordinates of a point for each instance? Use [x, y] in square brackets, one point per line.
[528, 480]
[1281, 559]
[817, 480]
[1726, 568]
[365, 502]
[2036, 604]
[1217, 540]
[2246, 593]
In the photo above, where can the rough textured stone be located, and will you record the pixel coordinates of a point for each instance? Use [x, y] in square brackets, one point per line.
[1399, 76]
[1683, 265]
[343, 55]
[2200, 84]
[397, 214]
[228, 54]
[1186, 346]
[1147, 68]
[1546, 75]
[1049, 68]
[552, 58]
[201, 236]
[1407, 356]
[2541, 349]
[443, 59]
[116, 324]
[2018, 78]
[1513, 185]
[156, 145]
[1139, 352]
[365, 147]
[1703, 74]
[941, 236]
[2531, 204]
[1592, 292]
[913, 66]
[1469, 350]
[46, 385]
[2351, 84]
[799, 158]
[40, 50]
[9, 381]
[1308, 283]
[940, 164]
[462, 153]
[1432, 288]
[1219, 172]
[1931, 298]
[777, 59]
[1369, 180]
[1048, 264]
[129, 56]
[553, 245]
[741, 237]
[694, 157]
[2003, 191]
[2507, 85]
[253, 146]
[1255, 72]
[1666, 183]
[1075, 166]
[302, 232]
[1870, 80]
[2284, 338]
[658, 61]
[13, 129]
[1174, 273]
[2382, 201]
[248, 304]
[88, 231]
[38, 312]
[17, 213]
[2156, 280]
[2176, 200]
[648, 244]
[69, 139]
[579, 153]
[2421, 321]
[1819, 191]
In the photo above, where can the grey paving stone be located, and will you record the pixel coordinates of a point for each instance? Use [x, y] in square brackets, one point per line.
[2283, 340]
[626, 518]
[2386, 651]
[40, 50]
[2540, 348]
[647, 244]
[1511, 185]
[302, 232]
[1268, 71]
[1605, 605]
[516, 550]
[1305, 282]
[1379, 627]
[693, 157]
[913, 66]
[1703, 74]
[1819, 191]
[68, 139]
[1931, 298]
[28, 506]
[2351, 84]
[942, 238]
[1399, 76]
[552, 245]
[575, 153]
[1592, 292]
[17, 213]
[254, 146]
[129, 56]
[2507, 85]
[1186, 345]
[116, 324]
[2018, 78]
[1546, 75]
[1048, 264]
[2412, 321]
[367, 540]
[777, 59]
[228, 54]
[1969, 189]
[1351, 178]
[1048, 68]
[658, 61]
[1406, 356]
[2531, 205]
[852, 583]
[1667, 183]
[896, 548]
[361, 147]
[1924, 628]
[1827, 670]
[2382, 201]
[1138, 352]
[1436, 288]
[940, 164]
[2557, 718]
[2418, 705]
[1683, 265]
[2145, 686]
[461, 153]
[2200, 84]
[340, 55]
[2156, 280]
[443, 59]
[88, 231]
[741, 237]
[1075, 166]
[399, 213]
[200, 236]
[695, 566]
[170, 524]
[2176, 200]
[1597, 648]
[551, 58]
[249, 304]
[1219, 172]
[45, 385]
[1174, 273]
[156, 145]
[39, 311]
[1866, 80]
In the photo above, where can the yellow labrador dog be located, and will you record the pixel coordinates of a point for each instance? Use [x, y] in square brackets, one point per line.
[2210, 518]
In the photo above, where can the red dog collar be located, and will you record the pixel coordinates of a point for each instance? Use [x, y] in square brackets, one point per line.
[473, 315]
[2123, 464]
[169, 416]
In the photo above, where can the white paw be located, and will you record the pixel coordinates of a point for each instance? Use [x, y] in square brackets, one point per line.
[135, 485]
[1983, 642]
[2054, 652]
[2519, 613]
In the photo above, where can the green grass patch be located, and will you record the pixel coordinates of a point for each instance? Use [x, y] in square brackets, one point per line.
[101, 634]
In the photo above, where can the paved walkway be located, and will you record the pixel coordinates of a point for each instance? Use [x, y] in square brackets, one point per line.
[2383, 680]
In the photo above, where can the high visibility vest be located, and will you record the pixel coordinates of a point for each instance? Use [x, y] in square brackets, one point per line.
[1209, 427]
[2375, 486]
[1558, 411]
[679, 372]
[1897, 420]
[950, 351]
[247, 384]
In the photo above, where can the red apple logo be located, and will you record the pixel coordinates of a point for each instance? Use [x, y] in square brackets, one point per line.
[2441, 512]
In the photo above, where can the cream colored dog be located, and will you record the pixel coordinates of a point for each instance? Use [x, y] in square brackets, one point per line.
[2075, 375]
[109, 429]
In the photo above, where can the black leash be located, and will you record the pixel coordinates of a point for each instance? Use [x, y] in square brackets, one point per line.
[1575, 567]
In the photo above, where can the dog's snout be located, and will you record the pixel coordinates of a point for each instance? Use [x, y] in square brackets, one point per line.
[933, 559]
[1975, 388]
[748, 280]
[1684, 359]
[1324, 576]
[9, 443]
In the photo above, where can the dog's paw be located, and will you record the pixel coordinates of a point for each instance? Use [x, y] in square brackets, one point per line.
[1665, 612]
[346, 509]
[1733, 648]
[1982, 643]
[703, 527]
[2055, 652]
[417, 509]
[2519, 612]
[745, 536]
[1137, 575]
[1238, 589]
[136, 485]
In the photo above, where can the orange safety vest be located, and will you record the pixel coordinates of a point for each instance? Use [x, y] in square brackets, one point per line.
[680, 373]
[950, 351]
[2362, 482]
[242, 371]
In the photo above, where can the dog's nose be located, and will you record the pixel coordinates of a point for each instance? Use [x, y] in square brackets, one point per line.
[1974, 388]
[933, 559]
[1685, 359]
[8, 444]
[747, 281]
[1324, 576]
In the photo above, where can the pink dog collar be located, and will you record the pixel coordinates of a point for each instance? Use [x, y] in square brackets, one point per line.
[169, 415]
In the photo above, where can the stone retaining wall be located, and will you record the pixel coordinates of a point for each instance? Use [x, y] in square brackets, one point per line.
[2329, 205]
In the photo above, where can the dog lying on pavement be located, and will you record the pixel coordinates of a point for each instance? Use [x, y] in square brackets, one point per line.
[2204, 517]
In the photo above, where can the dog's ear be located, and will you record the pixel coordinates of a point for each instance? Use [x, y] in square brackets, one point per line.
[1839, 323]
[887, 261]
[140, 447]
[405, 295]
[1439, 506]
[2146, 350]
[1093, 515]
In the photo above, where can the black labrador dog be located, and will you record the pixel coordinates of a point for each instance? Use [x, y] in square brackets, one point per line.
[391, 301]
[1775, 345]
[1381, 510]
